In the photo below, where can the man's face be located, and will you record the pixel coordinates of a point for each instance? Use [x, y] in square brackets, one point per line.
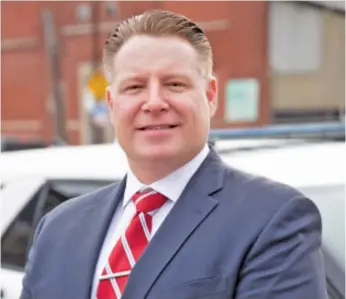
[159, 100]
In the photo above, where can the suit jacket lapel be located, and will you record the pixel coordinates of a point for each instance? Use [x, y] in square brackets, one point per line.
[92, 230]
[188, 213]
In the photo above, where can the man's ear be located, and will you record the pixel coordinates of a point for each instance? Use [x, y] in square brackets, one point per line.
[109, 97]
[212, 91]
[110, 102]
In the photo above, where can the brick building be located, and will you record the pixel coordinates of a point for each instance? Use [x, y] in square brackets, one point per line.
[239, 32]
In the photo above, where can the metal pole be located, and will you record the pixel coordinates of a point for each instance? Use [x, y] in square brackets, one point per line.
[98, 132]
[95, 42]
[51, 43]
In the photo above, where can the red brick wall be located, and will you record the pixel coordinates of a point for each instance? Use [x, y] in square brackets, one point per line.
[22, 69]
[240, 50]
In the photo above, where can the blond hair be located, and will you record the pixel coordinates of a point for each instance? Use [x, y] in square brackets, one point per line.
[157, 23]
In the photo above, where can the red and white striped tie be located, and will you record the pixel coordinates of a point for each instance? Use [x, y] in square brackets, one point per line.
[130, 246]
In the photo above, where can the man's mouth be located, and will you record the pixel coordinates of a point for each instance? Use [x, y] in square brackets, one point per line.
[158, 127]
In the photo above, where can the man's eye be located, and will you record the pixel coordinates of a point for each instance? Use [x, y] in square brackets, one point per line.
[134, 87]
[176, 84]
[137, 86]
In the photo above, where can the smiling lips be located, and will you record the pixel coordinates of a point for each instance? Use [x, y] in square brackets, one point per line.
[157, 127]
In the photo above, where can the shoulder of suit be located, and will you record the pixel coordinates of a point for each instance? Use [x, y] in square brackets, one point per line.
[258, 188]
[260, 199]
[76, 204]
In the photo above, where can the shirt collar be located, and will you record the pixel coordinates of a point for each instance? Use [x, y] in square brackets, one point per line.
[172, 185]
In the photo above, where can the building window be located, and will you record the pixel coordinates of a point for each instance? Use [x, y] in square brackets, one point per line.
[295, 37]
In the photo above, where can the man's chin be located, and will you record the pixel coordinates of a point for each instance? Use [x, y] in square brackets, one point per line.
[157, 152]
[157, 155]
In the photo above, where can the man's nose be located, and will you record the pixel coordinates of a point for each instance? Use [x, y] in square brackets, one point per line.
[155, 101]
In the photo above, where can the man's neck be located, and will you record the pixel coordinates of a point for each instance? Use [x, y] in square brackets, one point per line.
[148, 172]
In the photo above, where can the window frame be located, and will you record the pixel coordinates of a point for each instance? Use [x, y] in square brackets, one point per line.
[41, 196]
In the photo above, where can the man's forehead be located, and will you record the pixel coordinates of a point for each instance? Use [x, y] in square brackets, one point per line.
[158, 63]
[155, 52]
[140, 44]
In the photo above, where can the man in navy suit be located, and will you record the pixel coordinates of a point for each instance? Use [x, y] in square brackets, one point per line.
[181, 224]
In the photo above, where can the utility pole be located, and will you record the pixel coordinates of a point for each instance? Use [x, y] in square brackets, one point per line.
[98, 131]
[95, 42]
[52, 48]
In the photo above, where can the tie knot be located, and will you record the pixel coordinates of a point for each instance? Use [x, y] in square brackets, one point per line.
[148, 200]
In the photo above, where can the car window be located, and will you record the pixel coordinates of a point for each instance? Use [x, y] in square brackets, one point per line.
[72, 188]
[17, 239]
[14, 242]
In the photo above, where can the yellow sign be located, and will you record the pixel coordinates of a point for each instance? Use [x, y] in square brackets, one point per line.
[97, 85]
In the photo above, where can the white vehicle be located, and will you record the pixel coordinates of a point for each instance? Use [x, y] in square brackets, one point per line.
[36, 181]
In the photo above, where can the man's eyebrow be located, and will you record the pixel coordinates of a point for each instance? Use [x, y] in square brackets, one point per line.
[131, 76]
[177, 75]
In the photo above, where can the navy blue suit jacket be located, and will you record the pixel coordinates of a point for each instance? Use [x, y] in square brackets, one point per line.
[230, 235]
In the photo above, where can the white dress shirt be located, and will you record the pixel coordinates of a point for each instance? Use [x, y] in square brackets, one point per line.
[171, 186]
